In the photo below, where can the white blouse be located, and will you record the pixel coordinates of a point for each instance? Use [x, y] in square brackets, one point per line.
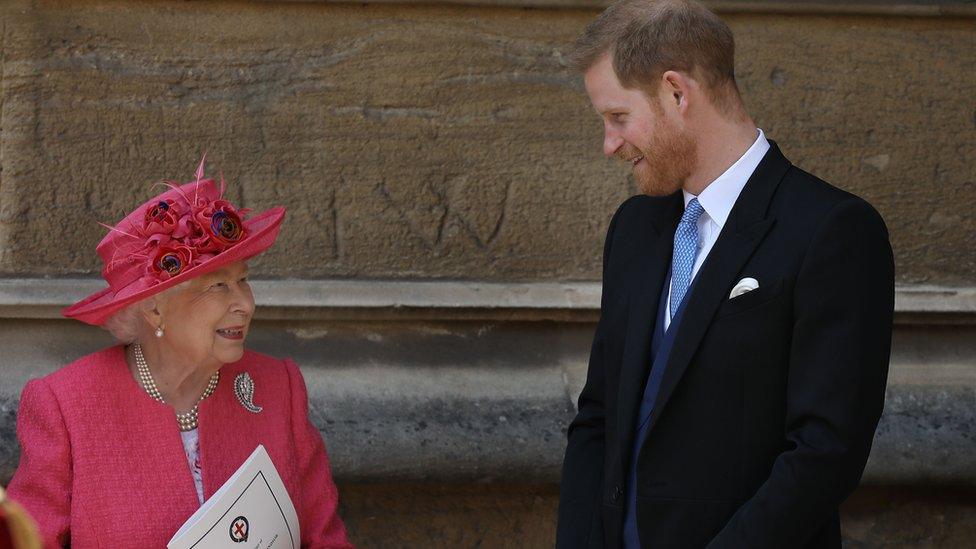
[191, 446]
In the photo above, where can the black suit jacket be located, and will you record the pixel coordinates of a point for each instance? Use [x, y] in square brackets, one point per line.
[769, 401]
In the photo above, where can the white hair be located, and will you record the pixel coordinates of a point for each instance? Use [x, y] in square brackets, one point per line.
[124, 325]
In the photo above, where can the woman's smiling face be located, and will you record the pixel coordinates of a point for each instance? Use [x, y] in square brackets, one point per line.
[207, 320]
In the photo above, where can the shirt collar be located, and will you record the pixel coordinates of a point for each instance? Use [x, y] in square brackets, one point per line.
[720, 195]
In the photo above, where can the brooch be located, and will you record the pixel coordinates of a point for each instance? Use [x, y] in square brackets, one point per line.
[244, 389]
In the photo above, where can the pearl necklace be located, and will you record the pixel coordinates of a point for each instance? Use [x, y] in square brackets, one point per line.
[186, 420]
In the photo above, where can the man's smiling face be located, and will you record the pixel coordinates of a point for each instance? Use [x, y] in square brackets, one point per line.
[640, 130]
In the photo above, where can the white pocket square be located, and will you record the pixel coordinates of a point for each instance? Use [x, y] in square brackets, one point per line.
[743, 286]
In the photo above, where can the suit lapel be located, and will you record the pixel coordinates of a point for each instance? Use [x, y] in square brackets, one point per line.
[745, 229]
[644, 281]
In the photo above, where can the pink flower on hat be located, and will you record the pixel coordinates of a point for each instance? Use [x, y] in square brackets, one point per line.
[161, 218]
[219, 225]
[226, 226]
[170, 260]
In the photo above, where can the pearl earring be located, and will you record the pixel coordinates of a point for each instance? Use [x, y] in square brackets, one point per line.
[159, 331]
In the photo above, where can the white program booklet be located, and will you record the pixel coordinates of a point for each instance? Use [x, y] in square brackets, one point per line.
[252, 509]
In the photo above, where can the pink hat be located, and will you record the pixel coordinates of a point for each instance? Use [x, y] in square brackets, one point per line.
[183, 233]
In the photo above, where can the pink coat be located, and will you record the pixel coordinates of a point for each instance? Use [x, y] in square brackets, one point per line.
[103, 465]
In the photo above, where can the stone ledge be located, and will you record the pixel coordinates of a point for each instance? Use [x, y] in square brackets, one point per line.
[431, 300]
[42, 298]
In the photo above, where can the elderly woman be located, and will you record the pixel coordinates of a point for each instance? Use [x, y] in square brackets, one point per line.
[120, 447]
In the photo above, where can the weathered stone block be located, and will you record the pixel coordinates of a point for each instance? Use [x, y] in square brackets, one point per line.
[469, 401]
[441, 142]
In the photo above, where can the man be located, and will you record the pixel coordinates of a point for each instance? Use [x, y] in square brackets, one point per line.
[739, 365]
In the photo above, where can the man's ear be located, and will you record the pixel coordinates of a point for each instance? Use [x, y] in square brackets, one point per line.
[675, 90]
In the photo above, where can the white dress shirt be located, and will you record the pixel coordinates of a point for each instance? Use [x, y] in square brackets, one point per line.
[717, 200]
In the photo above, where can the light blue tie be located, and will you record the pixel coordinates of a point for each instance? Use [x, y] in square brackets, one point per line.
[685, 250]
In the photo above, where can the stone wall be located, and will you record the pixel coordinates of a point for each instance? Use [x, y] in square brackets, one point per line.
[442, 142]
[437, 276]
